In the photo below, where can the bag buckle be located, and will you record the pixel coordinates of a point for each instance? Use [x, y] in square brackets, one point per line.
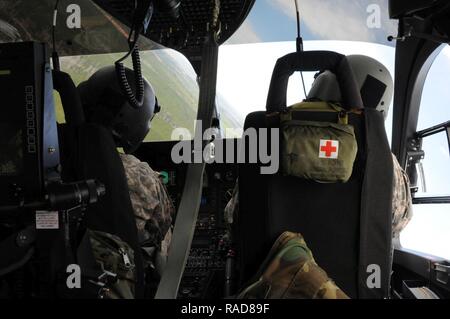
[343, 117]
[106, 278]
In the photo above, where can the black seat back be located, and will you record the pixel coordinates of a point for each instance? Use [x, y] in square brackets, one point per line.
[347, 226]
[88, 151]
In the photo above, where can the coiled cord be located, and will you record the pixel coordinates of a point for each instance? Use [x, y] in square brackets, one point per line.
[135, 100]
[139, 25]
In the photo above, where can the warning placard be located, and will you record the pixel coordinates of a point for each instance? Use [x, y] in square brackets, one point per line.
[47, 220]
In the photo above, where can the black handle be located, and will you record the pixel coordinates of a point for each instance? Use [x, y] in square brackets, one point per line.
[70, 98]
[309, 61]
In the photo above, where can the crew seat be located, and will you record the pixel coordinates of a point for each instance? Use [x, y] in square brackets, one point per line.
[88, 151]
[346, 225]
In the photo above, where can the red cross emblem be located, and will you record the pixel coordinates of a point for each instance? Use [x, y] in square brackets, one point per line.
[329, 149]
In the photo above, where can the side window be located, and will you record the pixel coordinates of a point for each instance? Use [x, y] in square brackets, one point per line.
[434, 170]
[428, 231]
[60, 116]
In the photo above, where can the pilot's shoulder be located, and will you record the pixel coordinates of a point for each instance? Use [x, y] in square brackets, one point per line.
[132, 163]
[141, 177]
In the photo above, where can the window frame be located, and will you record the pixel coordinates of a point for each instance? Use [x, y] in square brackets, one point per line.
[416, 155]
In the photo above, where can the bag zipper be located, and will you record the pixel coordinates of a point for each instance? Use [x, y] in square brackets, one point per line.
[125, 258]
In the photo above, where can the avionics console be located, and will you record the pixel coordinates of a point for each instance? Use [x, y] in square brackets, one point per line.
[29, 149]
[205, 272]
[29, 154]
[34, 202]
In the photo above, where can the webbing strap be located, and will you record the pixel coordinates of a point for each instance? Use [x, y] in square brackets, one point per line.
[274, 118]
[14, 256]
[190, 201]
[376, 212]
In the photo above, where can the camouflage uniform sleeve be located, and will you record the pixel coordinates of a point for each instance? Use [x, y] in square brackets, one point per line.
[152, 206]
[402, 211]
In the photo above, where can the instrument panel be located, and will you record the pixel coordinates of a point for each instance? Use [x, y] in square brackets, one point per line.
[211, 250]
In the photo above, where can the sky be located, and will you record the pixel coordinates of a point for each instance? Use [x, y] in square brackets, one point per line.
[275, 20]
[246, 63]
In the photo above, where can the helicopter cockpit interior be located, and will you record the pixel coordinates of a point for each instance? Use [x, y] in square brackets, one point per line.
[226, 124]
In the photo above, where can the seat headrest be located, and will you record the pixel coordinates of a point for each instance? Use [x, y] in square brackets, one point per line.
[313, 61]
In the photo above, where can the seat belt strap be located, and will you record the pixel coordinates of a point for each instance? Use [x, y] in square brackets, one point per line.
[187, 214]
[16, 250]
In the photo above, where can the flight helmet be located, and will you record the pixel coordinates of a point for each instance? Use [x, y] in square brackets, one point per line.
[372, 77]
[105, 103]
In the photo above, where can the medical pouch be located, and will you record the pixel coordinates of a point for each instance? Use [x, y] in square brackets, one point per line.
[321, 151]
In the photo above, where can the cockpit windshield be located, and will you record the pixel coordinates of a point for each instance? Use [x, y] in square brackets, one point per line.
[345, 26]
[89, 39]
[254, 63]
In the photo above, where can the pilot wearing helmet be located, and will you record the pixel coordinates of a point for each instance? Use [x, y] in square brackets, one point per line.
[105, 104]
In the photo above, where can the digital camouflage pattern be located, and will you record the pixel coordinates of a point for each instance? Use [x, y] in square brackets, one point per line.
[114, 256]
[152, 206]
[290, 272]
[402, 211]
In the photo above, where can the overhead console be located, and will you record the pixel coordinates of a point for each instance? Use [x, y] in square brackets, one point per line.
[86, 26]
[422, 19]
[401, 8]
[184, 24]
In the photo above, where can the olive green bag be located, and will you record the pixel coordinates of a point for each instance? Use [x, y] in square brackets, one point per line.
[116, 257]
[320, 151]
